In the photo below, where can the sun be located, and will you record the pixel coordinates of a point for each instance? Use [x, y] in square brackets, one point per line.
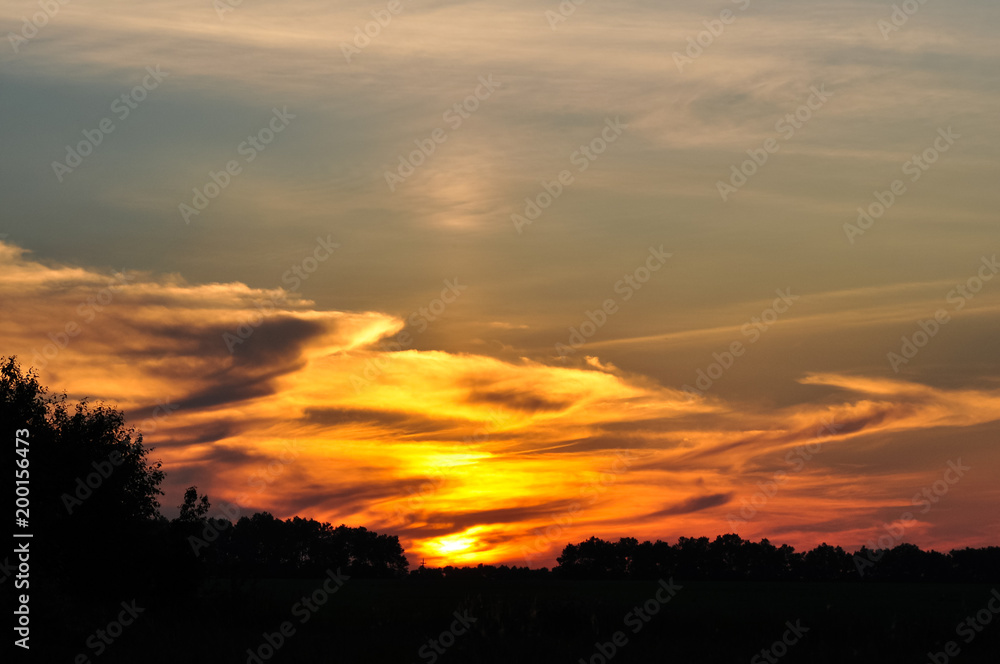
[461, 548]
[454, 544]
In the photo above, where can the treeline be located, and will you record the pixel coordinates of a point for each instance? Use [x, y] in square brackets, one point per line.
[95, 516]
[731, 558]
[264, 546]
[92, 507]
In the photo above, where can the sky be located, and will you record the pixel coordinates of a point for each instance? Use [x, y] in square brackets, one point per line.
[498, 278]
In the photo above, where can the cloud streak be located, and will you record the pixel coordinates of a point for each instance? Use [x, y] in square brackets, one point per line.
[466, 428]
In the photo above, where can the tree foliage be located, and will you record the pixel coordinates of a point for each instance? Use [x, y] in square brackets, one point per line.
[93, 488]
[262, 545]
[731, 558]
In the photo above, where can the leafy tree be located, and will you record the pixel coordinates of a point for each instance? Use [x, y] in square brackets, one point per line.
[194, 509]
[93, 488]
[93, 467]
[827, 563]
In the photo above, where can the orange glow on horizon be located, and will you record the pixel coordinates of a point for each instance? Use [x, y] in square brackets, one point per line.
[472, 459]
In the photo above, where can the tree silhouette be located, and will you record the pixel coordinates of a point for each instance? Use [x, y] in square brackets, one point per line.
[262, 545]
[731, 558]
[193, 509]
[827, 563]
[94, 489]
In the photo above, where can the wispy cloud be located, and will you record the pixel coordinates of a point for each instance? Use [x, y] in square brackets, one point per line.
[479, 425]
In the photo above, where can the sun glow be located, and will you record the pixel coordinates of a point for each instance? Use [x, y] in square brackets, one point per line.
[459, 549]
[453, 544]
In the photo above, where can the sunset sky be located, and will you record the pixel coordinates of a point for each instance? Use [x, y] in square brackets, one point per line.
[497, 277]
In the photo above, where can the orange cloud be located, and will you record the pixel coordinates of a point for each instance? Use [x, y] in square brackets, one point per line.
[470, 458]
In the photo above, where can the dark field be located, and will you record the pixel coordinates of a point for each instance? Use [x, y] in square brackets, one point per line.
[548, 620]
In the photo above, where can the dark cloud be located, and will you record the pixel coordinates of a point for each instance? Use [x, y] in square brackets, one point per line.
[835, 525]
[277, 341]
[232, 388]
[273, 350]
[342, 499]
[481, 392]
[440, 524]
[693, 504]
[200, 433]
[401, 422]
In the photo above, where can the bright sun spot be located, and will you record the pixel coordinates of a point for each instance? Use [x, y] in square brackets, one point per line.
[453, 544]
[460, 548]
